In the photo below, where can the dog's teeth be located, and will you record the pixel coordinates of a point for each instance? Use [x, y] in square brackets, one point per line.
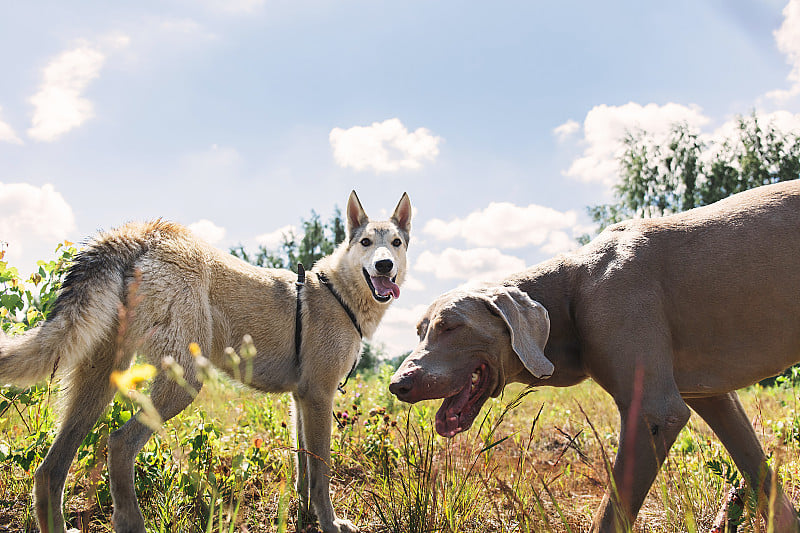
[475, 377]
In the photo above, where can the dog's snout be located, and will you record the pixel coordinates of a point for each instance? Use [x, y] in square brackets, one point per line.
[384, 266]
[402, 385]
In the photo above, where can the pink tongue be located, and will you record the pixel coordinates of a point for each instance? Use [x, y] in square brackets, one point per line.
[448, 417]
[385, 286]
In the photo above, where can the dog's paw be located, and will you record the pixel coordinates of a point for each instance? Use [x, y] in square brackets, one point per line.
[340, 525]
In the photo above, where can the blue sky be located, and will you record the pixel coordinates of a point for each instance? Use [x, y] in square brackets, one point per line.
[501, 119]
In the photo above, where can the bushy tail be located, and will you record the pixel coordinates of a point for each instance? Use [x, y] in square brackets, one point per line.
[84, 315]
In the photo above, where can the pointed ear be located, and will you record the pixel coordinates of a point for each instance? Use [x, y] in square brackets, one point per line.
[356, 217]
[402, 214]
[529, 326]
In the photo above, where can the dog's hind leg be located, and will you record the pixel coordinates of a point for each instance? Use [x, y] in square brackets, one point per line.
[169, 398]
[725, 415]
[88, 394]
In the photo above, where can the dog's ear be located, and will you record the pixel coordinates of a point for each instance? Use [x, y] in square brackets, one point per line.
[529, 326]
[402, 214]
[356, 217]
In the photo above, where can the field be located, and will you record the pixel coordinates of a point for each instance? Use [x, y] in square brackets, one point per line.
[534, 462]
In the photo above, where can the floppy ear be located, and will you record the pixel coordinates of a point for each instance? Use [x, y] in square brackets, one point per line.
[529, 326]
[402, 214]
[356, 217]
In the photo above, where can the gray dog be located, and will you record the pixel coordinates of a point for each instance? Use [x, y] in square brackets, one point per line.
[664, 314]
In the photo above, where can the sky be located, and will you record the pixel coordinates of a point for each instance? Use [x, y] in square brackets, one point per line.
[501, 120]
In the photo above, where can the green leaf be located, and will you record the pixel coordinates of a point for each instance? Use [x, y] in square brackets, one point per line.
[11, 301]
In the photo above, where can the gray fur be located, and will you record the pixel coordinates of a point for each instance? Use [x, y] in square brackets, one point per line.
[664, 314]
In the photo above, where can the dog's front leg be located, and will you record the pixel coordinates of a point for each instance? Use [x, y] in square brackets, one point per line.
[301, 462]
[649, 426]
[315, 411]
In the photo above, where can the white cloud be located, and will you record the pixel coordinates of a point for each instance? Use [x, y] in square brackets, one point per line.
[404, 317]
[208, 231]
[384, 146]
[274, 239]
[560, 242]
[7, 133]
[473, 264]
[398, 329]
[787, 38]
[505, 225]
[33, 220]
[566, 130]
[59, 105]
[605, 126]
[412, 283]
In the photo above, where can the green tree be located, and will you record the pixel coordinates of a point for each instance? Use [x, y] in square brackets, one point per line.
[318, 240]
[685, 172]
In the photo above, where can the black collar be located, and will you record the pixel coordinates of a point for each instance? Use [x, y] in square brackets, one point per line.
[298, 318]
[325, 281]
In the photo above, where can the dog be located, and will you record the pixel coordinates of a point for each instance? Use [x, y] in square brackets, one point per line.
[664, 314]
[307, 333]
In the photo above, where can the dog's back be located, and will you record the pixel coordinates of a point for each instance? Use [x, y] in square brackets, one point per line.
[88, 309]
[724, 278]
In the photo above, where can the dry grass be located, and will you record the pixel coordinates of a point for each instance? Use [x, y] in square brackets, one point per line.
[531, 464]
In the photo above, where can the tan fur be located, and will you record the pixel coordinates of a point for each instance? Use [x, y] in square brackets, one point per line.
[153, 289]
[664, 314]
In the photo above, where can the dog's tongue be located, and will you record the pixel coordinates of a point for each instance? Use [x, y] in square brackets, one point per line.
[448, 418]
[385, 286]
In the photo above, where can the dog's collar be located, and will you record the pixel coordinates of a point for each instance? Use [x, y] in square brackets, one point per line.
[298, 319]
[325, 281]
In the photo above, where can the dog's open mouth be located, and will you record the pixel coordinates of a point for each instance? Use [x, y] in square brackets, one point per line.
[383, 287]
[459, 411]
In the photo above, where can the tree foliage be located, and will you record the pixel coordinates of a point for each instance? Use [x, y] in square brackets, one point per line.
[317, 240]
[659, 178]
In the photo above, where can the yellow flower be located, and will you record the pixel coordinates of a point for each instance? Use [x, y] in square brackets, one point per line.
[131, 378]
[195, 350]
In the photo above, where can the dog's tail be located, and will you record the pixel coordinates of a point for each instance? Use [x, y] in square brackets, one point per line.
[85, 313]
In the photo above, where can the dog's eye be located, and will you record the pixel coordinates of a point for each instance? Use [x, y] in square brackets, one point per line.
[397, 242]
[365, 242]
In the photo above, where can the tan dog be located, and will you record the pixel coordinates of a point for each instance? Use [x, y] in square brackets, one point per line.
[189, 292]
[661, 313]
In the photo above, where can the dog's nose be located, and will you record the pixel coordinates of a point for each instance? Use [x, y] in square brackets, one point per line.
[402, 386]
[384, 266]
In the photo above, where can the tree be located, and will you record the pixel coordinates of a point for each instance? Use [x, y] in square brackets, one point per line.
[685, 172]
[318, 240]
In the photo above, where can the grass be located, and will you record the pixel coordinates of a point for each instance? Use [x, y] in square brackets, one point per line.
[534, 462]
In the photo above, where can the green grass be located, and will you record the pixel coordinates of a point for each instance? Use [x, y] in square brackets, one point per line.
[531, 463]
